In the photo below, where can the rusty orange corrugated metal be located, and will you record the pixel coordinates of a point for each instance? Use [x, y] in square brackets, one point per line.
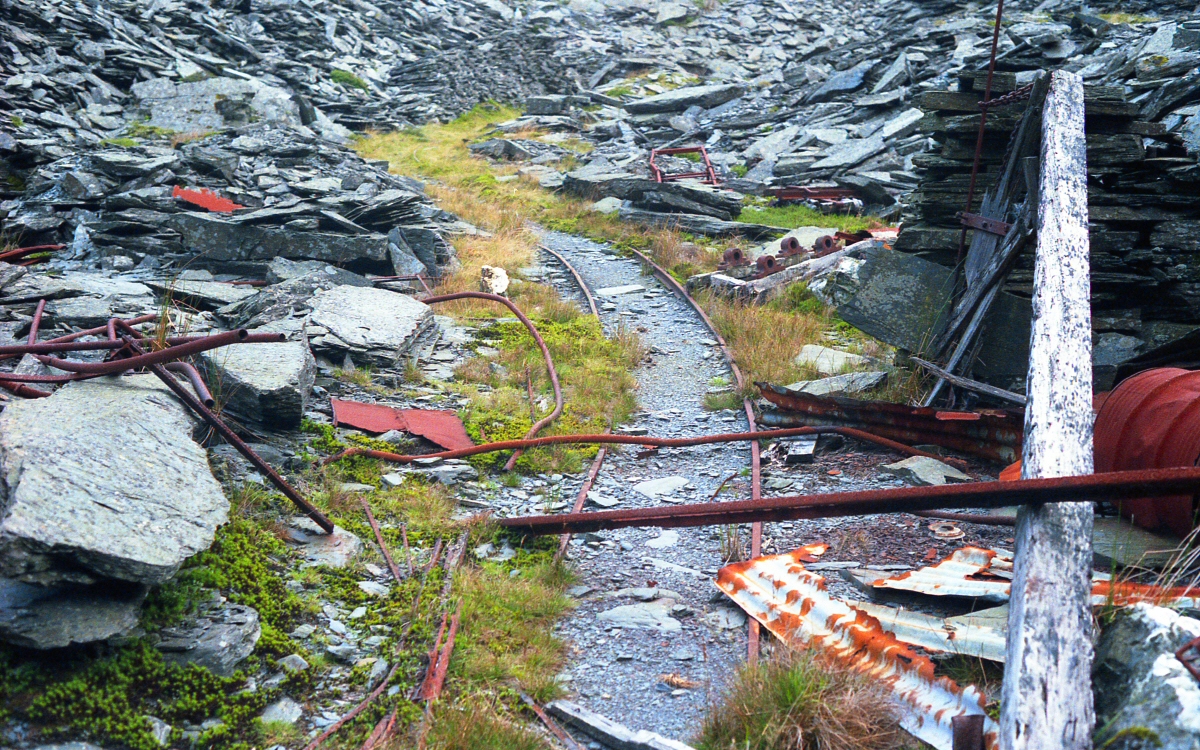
[441, 427]
[986, 574]
[792, 603]
[995, 434]
[1152, 420]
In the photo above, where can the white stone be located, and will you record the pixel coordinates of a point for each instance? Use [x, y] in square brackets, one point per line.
[283, 711]
[669, 538]
[654, 488]
[925, 472]
[828, 361]
[616, 291]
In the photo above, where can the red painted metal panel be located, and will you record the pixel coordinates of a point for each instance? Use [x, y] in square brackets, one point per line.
[441, 427]
[205, 199]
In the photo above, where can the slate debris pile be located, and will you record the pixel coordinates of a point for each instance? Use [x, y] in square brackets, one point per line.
[382, 64]
[1143, 136]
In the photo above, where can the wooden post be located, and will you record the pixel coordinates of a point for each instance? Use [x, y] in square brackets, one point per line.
[1046, 702]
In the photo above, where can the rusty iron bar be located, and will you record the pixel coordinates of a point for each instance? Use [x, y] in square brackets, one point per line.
[582, 496]
[436, 679]
[433, 558]
[968, 731]
[152, 358]
[1012, 97]
[983, 115]
[587, 293]
[1108, 487]
[231, 437]
[197, 381]
[537, 337]
[36, 323]
[379, 538]
[709, 174]
[382, 729]
[567, 740]
[642, 440]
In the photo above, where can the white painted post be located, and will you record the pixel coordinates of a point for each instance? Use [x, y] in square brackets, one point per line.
[1046, 702]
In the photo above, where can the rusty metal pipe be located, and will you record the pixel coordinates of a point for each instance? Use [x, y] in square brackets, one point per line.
[150, 358]
[231, 437]
[36, 323]
[24, 391]
[1108, 487]
[537, 337]
[986, 519]
[198, 384]
[643, 440]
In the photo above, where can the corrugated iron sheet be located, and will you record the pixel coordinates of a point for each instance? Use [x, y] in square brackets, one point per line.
[978, 635]
[441, 427]
[987, 575]
[995, 434]
[792, 603]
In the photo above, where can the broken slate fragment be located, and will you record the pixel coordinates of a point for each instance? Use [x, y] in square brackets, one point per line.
[266, 384]
[217, 640]
[925, 471]
[840, 385]
[828, 361]
[318, 548]
[648, 616]
[682, 98]
[373, 326]
[653, 488]
[72, 517]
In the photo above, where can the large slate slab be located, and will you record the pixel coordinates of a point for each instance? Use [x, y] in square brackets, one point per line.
[373, 326]
[103, 479]
[680, 99]
[221, 240]
[266, 384]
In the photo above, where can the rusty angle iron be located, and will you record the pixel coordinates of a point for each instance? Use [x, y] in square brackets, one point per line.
[441, 427]
[995, 434]
[1152, 421]
[792, 603]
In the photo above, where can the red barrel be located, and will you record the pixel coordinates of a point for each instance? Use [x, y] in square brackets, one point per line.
[1152, 421]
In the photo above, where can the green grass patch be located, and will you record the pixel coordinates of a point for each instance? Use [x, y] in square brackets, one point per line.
[143, 130]
[122, 142]
[799, 700]
[799, 215]
[346, 78]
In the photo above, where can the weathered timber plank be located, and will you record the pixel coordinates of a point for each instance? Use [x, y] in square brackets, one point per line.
[1046, 700]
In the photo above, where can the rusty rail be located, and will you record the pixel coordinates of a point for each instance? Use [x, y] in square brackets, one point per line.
[537, 337]
[587, 293]
[642, 440]
[1109, 487]
[581, 498]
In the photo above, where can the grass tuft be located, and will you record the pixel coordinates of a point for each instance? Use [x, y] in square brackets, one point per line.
[800, 215]
[475, 724]
[801, 701]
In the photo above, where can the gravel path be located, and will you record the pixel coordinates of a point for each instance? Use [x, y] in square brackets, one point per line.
[647, 605]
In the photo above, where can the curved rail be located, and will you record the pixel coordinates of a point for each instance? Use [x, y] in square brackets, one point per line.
[537, 337]
[755, 456]
[587, 293]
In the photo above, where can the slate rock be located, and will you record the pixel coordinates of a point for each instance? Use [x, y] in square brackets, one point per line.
[264, 384]
[282, 269]
[72, 516]
[647, 616]
[47, 617]
[925, 472]
[1138, 682]
[216, 239]
[373, 326]
[842, 82]
[219, 639]
[283, 711]
[336, 550]
[840, 385]
[680, 99]
[828, 361]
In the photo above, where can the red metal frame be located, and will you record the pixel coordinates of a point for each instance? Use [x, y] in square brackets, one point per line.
[709, 175]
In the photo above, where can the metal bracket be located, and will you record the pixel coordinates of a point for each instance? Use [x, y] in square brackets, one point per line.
[984, 224]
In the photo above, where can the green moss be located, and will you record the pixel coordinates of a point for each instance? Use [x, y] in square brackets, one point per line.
[17, 121]
[346, 78]
[142, 130]
[107, 699]
[739, 169]
[197, 77]
[122, 142]
[1136, 737]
